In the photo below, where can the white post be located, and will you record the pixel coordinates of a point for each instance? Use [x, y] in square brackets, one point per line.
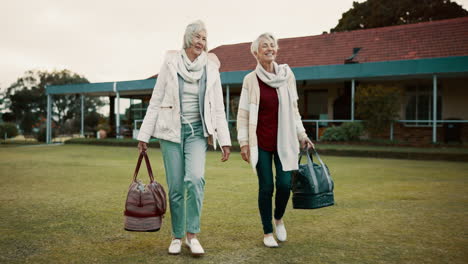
[434, 109]
[49, 119]
[391, 131]
[117, 117]
[353, 83]
[227, 103]
[82, 115]
[317, 130]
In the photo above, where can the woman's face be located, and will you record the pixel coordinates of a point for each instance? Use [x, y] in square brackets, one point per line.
[198, 44]
[266, 51]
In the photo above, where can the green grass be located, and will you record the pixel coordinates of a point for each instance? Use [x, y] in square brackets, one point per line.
[63, 204]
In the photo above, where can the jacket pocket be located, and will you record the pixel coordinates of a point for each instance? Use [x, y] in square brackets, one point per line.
[164, 118]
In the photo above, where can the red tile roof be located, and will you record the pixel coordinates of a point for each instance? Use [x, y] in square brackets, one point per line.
[443, 38]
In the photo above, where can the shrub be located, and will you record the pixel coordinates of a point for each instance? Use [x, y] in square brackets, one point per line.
[8, 128]
[378, 106]
[125, 142]
[334, 134]
[353, 130]
[103, 126]
[345, 132]
[8, 117]
[41, 135]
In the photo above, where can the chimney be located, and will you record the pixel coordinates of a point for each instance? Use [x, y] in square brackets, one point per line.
[351, 60]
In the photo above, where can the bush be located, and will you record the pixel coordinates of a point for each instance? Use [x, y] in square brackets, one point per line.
[345, 132]
[103, 126]
[125, 142]
[378, 106]
[42, 134]
[334, 134]
[8, 117]
[8, 128]
[353, 130]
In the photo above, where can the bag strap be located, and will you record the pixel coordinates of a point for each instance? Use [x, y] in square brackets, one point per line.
[311, 168]
[310, 165]
[148, 166]
[324, 169]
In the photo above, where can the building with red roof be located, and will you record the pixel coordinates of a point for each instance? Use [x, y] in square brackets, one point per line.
[437, 39]
[428, 60]
[335, 65]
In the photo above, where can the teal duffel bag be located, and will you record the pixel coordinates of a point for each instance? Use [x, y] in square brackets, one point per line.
[312, 184]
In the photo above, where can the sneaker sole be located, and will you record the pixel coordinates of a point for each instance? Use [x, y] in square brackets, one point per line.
[194, 254]
[271, 246]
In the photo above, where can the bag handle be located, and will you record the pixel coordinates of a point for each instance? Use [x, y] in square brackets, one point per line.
[311, 167]
[324, 169]
[148, 166]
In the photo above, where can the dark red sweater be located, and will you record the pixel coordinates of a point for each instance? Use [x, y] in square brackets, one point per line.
[267, 125]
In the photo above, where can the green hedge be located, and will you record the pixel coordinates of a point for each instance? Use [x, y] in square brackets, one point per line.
[345, 132]
[9, 129]
[18, 142]
[125, 142]
[334, 150]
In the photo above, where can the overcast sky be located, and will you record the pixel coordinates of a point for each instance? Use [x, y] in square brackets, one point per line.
[117, 40]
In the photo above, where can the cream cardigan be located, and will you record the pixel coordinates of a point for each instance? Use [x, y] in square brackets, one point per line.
[247, 118]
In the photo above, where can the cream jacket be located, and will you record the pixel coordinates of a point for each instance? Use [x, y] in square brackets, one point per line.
[162, 119]
[247, 118]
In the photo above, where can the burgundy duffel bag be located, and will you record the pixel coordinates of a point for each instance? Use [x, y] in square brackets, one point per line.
[145, 204]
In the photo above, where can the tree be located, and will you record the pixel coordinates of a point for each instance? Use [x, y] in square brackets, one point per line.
[382, 13]
[8, 130]
[8, 117]
[27, 99]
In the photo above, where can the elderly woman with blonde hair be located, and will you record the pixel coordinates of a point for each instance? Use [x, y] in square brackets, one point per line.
[269, 129]
[186, 113]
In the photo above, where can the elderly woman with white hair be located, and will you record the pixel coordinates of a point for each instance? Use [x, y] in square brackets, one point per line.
[269, 129]
[186, 113]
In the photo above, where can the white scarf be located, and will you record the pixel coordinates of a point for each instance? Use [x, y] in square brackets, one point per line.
[191, 71]
[277, 79]
[288, 145]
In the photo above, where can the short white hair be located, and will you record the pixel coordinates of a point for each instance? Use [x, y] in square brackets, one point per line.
[256, 42]
[190, 31]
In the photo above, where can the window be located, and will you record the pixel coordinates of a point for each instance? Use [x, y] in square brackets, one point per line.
[316, 104]
[419, 105]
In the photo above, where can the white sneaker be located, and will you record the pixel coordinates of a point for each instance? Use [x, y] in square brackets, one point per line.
[175, 247]
[280, 231]
[269, 241]
[195, 247]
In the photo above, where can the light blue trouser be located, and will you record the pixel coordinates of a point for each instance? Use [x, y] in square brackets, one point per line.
[185, 170]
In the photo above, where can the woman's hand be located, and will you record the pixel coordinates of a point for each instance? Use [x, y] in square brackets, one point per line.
[226, 153]
[142, 146]
[306, 143]
[245, 153]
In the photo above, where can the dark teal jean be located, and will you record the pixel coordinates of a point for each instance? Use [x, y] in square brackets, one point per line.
[266, 188]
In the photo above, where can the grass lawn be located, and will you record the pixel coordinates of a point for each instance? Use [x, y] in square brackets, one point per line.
[63, 204]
